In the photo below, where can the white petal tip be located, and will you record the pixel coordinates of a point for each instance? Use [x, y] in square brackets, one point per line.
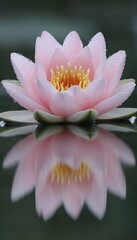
[118, 114]
[18, 117]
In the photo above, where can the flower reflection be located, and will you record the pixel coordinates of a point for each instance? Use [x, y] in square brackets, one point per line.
[71, 167]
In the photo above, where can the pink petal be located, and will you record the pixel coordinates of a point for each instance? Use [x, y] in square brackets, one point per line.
[45, 90]
[97, 47]
[45, 48]
[19, 151]
[19, 95]
[97, 196]
[124, 85]
[25, 72]
[72, 46]
[47, 200]
[73, 201]
[40, 74]
[49, 39]
[25, 177]
[99, 72]
[116, 100]
[84, 59]
[79, 95]
[118, 147]
[57, 59]
[94, 91]
[113, 70]
[40, 71]
[63, 104]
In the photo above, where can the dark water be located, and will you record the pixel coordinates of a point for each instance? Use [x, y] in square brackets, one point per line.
[68, 183]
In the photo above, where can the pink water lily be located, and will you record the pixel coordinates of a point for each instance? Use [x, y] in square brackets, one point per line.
[69, 82]
[67, 167]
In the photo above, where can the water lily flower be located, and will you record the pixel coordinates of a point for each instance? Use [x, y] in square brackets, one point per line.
[70, 167]
[69, 82]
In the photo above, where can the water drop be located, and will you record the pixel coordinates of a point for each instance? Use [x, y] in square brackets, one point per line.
[132, 120]
[2, 123]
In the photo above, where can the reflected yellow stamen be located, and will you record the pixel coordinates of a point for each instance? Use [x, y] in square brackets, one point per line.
[63, 78]
[62, 173]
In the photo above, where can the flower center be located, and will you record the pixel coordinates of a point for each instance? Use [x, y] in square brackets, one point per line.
[62, 173]
[63, 78]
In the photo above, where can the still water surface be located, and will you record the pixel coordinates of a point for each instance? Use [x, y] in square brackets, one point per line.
[68, 182]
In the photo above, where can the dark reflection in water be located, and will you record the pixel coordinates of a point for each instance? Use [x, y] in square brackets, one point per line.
[69, 166]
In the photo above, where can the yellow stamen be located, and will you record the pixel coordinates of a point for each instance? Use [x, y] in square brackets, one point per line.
[63, 78]
[62, 173]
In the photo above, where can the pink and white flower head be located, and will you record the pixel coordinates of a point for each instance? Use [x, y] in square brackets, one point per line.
[69, 82]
